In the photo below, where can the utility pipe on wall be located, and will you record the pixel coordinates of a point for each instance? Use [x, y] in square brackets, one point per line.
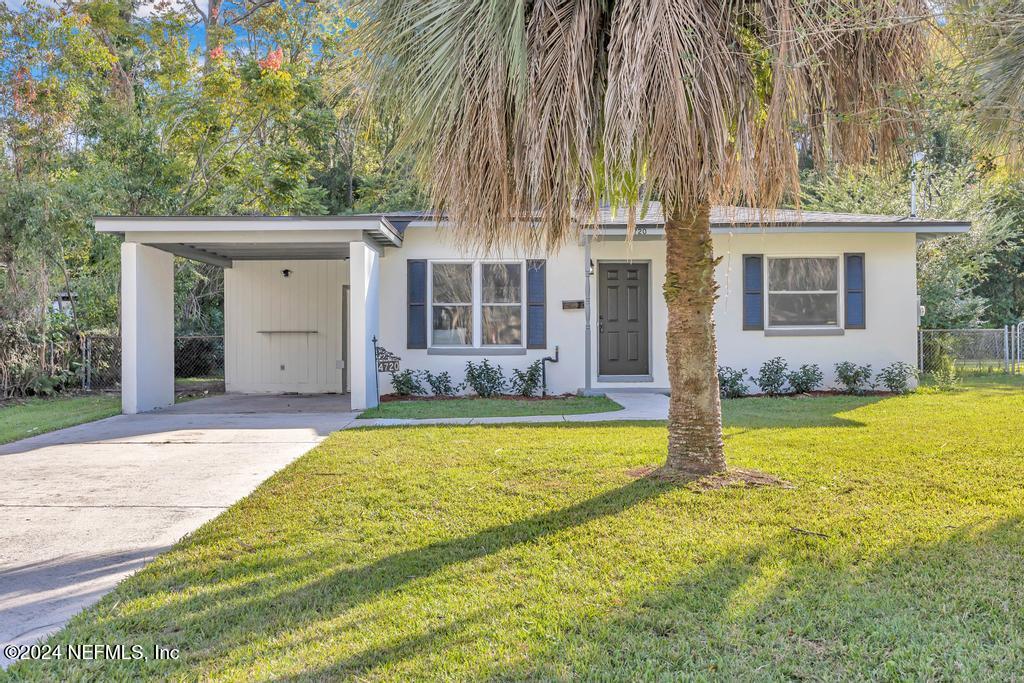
[544, 371]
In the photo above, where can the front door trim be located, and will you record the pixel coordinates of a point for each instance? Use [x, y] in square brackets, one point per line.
[641, 377]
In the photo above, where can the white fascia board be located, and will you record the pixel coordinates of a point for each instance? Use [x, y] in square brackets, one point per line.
[232, 224]
[654, 229]
[850, 228]
[388, 232]
[243, 236]
[917, 228]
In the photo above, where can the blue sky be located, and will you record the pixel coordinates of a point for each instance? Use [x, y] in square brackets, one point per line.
[145, 7]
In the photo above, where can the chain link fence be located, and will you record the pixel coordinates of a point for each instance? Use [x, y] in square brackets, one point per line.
[198, 362]
[101, 363]
[93, 363]
[971, 350]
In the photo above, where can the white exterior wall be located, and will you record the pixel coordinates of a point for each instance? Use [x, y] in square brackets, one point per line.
[147, 328]
[265, 314]
[565, 328]
[367, 298]
[891, 291]
[890, 281]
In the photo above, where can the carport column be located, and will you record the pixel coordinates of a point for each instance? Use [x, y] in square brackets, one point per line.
[147, 328]
[364, 276]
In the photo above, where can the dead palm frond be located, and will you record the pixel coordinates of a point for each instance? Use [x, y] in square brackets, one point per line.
[526, 114]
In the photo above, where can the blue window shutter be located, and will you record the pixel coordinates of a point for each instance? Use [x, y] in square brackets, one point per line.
[753, 292]
[536, 304]
[416, 328]
[856, 303]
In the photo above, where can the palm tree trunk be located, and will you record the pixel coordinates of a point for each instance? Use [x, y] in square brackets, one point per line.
[695, 411]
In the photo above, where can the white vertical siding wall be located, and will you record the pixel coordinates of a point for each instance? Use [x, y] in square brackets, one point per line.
[263, 315]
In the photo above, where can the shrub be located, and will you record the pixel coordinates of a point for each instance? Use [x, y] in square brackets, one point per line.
[407, 383]
[22, 349]
[896, 376]
[945, 376]
[528, 382]
[485, 378]
[441, 383]
[806, 379]
[938, 350]
[43, 383]
[731, 383]
[772, 376]
[855, 379]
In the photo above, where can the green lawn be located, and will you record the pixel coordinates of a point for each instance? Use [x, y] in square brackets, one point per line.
[39, 415]
[534, 552]
[491, 407]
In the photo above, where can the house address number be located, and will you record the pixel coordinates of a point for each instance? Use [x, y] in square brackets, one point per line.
[387, 361]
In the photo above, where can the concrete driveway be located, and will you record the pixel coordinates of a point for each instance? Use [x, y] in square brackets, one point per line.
[82, 508]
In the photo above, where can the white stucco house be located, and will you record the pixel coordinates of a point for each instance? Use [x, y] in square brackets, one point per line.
[306, 296]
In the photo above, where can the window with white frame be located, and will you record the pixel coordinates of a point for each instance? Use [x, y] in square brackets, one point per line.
[803, 291]
[451, 297]
[501, 304]
[476, 303]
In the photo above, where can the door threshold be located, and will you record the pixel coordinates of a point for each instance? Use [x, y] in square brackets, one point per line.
[625, 378]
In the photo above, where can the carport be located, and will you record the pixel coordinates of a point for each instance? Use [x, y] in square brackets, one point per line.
[301, 302]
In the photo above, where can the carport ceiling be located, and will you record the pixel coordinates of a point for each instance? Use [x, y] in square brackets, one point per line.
[223, 254]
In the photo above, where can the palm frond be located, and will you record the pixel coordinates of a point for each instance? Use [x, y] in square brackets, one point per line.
[526, 114]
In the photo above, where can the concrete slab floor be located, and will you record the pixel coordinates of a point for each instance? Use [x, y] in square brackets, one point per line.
[264, 403]
[82, 508]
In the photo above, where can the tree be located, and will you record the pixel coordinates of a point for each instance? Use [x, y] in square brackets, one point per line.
[526, 116]
[950, 269]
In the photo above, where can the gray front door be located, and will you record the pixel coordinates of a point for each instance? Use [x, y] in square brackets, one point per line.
[623, 325]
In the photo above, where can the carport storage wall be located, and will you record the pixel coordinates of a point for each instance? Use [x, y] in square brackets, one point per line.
[283, 324]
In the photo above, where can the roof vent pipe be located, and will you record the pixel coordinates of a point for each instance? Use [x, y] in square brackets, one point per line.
[915, 159]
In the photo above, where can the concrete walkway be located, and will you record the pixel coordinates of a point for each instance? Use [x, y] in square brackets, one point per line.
[81, 508]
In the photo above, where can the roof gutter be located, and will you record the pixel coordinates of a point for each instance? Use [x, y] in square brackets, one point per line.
[615, 230]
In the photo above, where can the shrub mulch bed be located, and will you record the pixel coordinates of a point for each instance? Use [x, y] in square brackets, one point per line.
[392, 398]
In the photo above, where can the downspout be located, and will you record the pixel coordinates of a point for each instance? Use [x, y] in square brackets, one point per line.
[588, 270]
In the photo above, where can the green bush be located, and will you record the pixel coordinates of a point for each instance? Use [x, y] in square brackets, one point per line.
[527, 382]
[896, 376]
[808, 378]
[945, 376]
[21, 345]
[854, 379]
[407, 383]
[485, 378]
[441, 384]
[731, 383]
[771, 378]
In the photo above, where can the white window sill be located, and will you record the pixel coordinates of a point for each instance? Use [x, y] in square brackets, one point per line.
[804, 332]
[476, 351]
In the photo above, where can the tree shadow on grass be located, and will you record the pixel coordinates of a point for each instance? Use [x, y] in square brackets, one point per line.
[950, 609]
[277, 596]
[787, 412]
